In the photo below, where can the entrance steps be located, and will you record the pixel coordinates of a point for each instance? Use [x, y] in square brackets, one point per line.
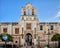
[28, 47]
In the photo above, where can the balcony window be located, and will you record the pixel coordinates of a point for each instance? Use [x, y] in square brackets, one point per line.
[16, 30]
[4, 29]
[41, 27]
[51, 27]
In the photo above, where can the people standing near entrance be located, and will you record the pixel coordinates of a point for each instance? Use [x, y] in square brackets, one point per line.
[26, 44]
[32, 45]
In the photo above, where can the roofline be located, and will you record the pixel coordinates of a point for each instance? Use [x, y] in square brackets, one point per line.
[49, 22]
[8, 22]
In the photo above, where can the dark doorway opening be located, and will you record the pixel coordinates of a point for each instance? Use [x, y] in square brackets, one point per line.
[29, 39]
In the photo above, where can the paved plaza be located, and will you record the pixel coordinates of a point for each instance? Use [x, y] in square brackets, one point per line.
[36, 47]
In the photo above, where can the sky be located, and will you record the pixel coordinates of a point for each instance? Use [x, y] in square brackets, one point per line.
[47, 10]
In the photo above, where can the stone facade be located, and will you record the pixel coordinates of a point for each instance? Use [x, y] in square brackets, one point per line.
[29, 27]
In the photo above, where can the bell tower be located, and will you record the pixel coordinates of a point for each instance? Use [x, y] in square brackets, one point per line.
[28, 22]
[28, 10]
[28, 13]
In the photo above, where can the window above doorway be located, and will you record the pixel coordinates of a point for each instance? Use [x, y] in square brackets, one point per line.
[28, 26]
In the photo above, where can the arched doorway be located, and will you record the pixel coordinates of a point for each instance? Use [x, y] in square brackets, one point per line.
[28, 39]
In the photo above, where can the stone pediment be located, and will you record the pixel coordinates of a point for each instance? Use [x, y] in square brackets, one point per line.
[28, 6]
[28, 31]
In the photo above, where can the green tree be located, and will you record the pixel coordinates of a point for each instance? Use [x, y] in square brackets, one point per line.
[9, 37]
[56, 37]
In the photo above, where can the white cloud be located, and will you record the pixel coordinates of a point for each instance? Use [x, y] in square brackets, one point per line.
[58, 14]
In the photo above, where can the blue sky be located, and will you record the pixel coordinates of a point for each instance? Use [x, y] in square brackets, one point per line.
[47, 10]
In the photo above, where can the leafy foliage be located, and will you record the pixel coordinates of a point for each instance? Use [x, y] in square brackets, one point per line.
[9, 37]
[56, 37]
